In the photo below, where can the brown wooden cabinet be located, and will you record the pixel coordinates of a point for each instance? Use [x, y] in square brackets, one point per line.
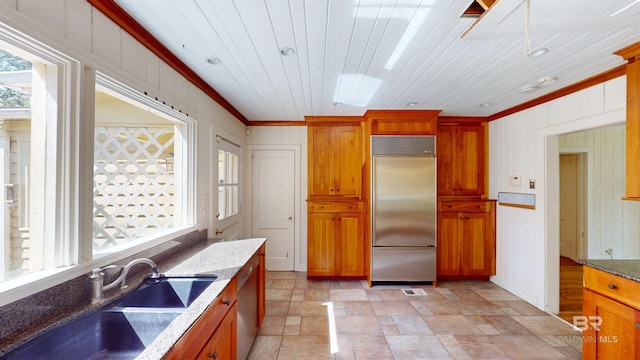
[222, 344]
[611, 321]
[208, 332]
[336, 239]
[335, 160]
[460, 150]
[402, 122]
[466, 239]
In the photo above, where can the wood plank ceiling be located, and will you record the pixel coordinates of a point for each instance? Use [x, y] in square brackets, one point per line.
[355, 55]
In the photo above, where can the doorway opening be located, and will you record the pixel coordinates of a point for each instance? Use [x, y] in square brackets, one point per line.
[573, 230]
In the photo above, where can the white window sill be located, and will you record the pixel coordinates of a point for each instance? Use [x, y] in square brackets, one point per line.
[28, 284]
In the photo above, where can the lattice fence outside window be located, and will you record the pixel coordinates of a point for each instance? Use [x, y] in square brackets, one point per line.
[133, 183]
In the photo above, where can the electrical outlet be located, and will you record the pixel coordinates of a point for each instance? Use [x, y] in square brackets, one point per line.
[609, 251]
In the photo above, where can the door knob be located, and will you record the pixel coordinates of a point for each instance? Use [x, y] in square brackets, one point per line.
[219, 231]
[290, 217]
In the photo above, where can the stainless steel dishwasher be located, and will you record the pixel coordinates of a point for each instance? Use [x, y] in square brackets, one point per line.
[247, 306]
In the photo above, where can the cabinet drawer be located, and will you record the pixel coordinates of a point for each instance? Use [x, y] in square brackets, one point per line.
[613, 286]
[336, 206]
[464, 206]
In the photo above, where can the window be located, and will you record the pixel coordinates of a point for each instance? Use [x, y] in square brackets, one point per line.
[228, 179]
[139, 158]
[25, 181]
[135, 154]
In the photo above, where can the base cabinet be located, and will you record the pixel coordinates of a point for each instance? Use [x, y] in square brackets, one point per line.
[466, 239]
[335, 239]
[222, 344]
[214, 331]
[611, 319]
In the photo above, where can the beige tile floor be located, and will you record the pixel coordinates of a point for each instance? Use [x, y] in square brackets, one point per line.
[456, 320]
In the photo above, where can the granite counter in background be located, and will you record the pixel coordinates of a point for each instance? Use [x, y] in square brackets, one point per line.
[626, 268]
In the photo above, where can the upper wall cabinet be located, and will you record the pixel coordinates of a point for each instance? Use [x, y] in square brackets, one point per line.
[460, 150]
[402, 122]
[336, 158]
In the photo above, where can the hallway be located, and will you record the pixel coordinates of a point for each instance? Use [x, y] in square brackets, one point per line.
[456, 320]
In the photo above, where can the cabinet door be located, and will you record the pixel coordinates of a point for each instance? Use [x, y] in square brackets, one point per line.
[449, 247]
[321, 161]
[222, 344]
[469, 160]
[349, 158]
[461, 159]
[444, 154]
[611, 329]
[350, 252]
[321, 259]
[476, 259]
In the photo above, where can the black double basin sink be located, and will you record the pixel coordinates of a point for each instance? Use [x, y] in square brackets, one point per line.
[121, 329]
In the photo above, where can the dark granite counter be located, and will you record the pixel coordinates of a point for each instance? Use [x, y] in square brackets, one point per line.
[626, 268]
[220, 257]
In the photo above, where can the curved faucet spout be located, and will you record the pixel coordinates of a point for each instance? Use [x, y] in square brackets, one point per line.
[125, 270]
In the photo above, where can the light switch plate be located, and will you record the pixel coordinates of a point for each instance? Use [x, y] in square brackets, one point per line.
[516, 180]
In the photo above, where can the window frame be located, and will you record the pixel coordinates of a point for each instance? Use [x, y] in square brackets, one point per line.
[184, 170]
[228, 146]
[70, 101]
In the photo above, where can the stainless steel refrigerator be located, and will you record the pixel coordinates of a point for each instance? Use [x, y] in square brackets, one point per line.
[403, 184]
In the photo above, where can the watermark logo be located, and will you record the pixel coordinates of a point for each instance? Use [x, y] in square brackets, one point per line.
[583, 322]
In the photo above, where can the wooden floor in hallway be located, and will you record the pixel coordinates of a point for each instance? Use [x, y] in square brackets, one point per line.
[570, 289]
[455, 320]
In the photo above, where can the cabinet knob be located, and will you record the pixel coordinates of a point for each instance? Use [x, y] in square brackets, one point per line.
[214, 355]
[612, 287]
[338, 190]
[226, 302]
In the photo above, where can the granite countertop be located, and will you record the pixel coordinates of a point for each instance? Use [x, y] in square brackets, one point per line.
[224, 259]
[626, 268]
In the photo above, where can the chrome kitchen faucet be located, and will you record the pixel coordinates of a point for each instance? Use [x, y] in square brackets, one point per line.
[97, 278]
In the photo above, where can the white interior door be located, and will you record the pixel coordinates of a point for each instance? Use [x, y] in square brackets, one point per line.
[274, 205]
[569, 205]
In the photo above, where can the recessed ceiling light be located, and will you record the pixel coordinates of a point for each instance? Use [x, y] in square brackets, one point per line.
[546, 80]
[538, 52]
[214, 61]
[413, 103]
[287, 51]
[485, 105]
[528, 89]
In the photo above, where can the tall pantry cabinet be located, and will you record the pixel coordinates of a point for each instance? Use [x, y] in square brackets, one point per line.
[335, 206]
[466, 218]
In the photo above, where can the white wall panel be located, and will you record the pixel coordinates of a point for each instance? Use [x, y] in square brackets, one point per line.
[129, 55]
[51, 13]
[522, 144]
[105, 40]
[615, 94]
[78, 16]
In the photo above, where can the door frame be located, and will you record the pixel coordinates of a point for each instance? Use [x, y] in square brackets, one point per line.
[299, 221]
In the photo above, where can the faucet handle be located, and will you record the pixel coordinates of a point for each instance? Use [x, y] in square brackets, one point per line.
[98, 272]
[112, 266]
